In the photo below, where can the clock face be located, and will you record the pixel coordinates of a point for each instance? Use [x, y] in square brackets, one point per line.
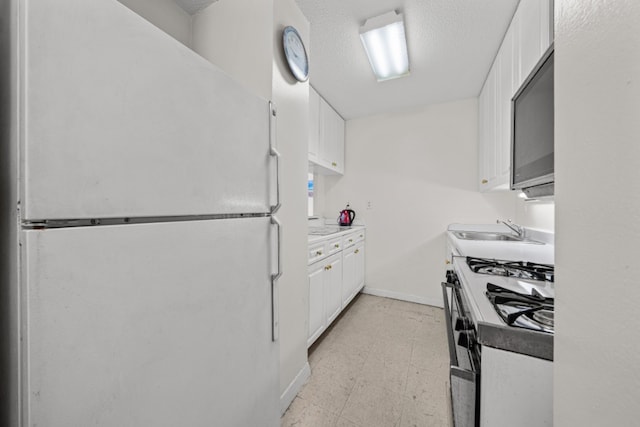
[296, 54]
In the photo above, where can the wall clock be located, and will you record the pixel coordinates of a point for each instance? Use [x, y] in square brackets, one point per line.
[296, 54]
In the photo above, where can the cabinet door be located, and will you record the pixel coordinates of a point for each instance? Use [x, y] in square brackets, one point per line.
[326, 132]
[546, 25]
[483, 124]
[331, 154]
[333, 288]
[529, 19]
[360, 268]
[349, 275]
[314, 124]
[487, 168]
[339, 147]
[317, 318]
[504, 94]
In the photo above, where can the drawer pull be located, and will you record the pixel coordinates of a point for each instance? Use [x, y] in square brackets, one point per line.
[318, 253]
[448, 262]
[334, 164]
[356, 251]
[350, 240]
[361, 235]
[328, 267]
[336, 246]
[484, 181]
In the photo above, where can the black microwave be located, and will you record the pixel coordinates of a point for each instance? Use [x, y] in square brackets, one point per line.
[532, 131]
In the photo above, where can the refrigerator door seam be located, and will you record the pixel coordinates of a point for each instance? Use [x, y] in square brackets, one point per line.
[88, 222]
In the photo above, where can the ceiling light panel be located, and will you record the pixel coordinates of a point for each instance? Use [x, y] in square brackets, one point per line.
[384, 41]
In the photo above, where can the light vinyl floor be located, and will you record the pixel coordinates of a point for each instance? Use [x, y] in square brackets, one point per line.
[383, 363]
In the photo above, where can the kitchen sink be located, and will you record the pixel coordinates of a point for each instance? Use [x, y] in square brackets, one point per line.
[491, 236]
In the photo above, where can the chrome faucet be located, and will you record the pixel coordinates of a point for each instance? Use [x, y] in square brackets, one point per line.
[518, 229]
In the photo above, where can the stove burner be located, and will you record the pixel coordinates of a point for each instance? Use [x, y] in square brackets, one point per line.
[521, 310]
[544, 317]
[517, 269]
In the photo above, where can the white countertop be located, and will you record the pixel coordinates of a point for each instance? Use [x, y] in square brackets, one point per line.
[340, 231]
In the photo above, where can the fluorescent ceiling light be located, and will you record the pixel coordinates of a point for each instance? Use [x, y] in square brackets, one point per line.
[384, 41]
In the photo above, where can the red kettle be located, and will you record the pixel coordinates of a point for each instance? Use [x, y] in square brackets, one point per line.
[347, 216]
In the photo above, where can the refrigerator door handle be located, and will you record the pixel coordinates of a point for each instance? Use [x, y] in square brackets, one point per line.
[275, 316]
[273, 152]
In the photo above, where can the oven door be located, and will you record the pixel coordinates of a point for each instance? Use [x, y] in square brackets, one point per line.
[464, 373]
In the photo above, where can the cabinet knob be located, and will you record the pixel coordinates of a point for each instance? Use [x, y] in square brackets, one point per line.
[484, 181]
[350, 240]
[356, 251]
[336, 246]
[334, 164]
[448, 262]
[318, 253]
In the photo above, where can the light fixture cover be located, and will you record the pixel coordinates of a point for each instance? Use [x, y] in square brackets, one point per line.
[384, 41]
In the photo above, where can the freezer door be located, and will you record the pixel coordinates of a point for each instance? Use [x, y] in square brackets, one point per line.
[165, 324]
[121, 120]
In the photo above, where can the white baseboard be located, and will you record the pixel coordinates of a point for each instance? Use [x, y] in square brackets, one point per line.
[403, 297]
[292, 390]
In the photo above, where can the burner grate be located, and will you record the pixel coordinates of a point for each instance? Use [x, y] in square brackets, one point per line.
[521, 310]
[517, 269]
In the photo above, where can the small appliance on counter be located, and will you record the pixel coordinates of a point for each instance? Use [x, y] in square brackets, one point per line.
[346, 216]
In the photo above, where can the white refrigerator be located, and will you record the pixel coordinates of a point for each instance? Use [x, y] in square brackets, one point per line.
[148, 250]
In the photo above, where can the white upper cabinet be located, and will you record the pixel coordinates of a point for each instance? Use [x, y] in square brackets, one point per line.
[314, 125]
[488, 128]
[326, 136]
[527, 38]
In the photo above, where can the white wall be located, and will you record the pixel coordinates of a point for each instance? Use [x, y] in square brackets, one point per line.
[597, 106]
[536, 214]
[166, 15]
[236, 36]
[292, 101]
[419, 170]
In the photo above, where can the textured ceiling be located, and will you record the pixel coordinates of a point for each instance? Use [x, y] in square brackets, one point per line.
[193, 6]
[451, 45]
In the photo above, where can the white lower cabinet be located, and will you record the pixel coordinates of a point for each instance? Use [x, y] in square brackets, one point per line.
[333, 287]
[325, 294]
[348, 274]
[333, 280]
[353, 272]
[317, 317]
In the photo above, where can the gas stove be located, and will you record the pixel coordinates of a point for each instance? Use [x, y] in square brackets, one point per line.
[522, 299]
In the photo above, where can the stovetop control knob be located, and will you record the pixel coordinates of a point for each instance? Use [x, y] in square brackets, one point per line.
[463, 324]
[466, 339]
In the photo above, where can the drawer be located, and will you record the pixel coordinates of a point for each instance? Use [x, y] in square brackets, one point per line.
[317, 251]
[353, 238]
[334, 246]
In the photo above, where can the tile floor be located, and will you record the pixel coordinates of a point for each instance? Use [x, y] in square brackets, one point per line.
[383, 363]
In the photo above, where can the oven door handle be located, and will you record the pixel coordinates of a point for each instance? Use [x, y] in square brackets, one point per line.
[447, 316]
